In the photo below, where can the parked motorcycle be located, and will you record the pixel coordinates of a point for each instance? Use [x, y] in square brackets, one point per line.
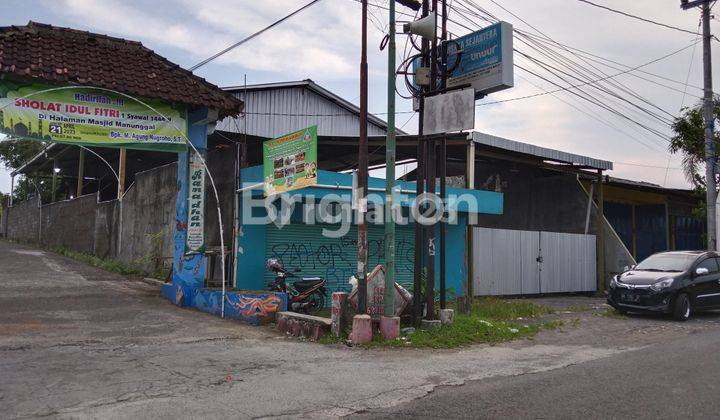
[307, 295]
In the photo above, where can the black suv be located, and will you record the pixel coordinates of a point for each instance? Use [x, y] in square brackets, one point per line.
[677, 283]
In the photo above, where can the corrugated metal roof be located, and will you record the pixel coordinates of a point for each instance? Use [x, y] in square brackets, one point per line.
[542, 152]
[274, 109]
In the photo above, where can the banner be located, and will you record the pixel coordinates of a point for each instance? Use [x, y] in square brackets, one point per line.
[195, 239]
[90, 117]
[290, 161]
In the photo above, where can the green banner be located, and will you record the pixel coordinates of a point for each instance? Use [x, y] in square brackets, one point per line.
[90, 117]
[290, 161]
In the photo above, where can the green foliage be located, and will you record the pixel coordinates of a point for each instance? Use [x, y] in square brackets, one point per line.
[106, 264]
[491, 320]
[14, 152]
[500, 309]
[689, 140]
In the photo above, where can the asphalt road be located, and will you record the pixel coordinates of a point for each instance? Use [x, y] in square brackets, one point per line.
[78, 342]
[677, 379]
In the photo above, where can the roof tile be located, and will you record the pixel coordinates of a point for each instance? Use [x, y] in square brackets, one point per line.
[63, 55]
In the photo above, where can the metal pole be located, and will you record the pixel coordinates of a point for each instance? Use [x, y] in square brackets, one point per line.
[711, 193]
[363, 171]
[430, 174]
[81, 173]
[443, 168]
[601, 234]
[12, 190]
[389, 295]
[54, 183]
[419, 190]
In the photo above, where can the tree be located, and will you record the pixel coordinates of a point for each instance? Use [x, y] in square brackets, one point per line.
[689, 140]
[14, 153]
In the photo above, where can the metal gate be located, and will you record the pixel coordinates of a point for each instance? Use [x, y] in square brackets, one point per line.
[517, 262]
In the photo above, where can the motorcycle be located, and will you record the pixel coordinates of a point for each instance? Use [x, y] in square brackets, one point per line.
[306, 295]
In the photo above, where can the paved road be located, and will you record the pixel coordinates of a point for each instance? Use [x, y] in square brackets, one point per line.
[678, 379]
[77, 342]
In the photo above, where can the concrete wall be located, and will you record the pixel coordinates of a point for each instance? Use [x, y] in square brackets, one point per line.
[24, 221]
[147, 214]
[145, 219]
[86, 225]
[70, 223]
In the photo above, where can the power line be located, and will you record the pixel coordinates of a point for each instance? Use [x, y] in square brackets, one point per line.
[591, 81]
[638, 17]
[235, 45]
[594, 100]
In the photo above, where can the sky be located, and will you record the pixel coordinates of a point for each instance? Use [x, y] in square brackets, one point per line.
[323, 43]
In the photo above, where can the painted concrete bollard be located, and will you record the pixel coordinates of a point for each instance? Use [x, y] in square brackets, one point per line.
[447, 316]
[361, 329]
[390, 327]
[338, 313]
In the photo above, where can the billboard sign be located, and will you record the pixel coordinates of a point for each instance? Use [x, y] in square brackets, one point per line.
[449, 112]
[482, 59]
[90, 117]
[290, 161]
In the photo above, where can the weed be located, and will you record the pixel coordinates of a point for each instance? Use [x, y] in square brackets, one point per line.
[106, 264]
[613, 313]
[511, 309]
[575, 322]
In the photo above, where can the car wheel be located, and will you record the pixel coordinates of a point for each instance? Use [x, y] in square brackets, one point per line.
[681, 307]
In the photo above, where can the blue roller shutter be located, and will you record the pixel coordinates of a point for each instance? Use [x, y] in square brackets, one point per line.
[335, 259]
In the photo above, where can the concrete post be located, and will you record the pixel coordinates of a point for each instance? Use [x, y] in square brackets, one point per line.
[338, 313]
[188, 269]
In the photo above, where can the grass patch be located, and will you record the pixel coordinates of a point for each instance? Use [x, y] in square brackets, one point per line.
[492, 308]
[106, 264]
[491, 320]
[468, 329]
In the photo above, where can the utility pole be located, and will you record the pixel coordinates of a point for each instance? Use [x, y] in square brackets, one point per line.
[420, 189]
[708, 116]
[443, 165]
[389, 295]
[363, 171]
[430, 173]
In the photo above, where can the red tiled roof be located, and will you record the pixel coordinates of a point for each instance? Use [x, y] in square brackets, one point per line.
[69, 56]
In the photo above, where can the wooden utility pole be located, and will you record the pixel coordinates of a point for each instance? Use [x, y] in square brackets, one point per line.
[363, 171]
[81, 173]
[708, 116]
[121, 172]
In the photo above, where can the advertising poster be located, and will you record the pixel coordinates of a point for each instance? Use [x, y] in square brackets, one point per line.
[90, 118]
[290, 161]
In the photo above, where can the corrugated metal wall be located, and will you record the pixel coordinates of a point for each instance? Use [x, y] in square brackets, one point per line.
[506, 262]
[275, 112]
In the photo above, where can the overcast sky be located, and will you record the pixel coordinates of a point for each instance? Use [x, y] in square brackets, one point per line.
[323, 43]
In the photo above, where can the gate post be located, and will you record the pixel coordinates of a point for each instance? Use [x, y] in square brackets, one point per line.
[188, 268]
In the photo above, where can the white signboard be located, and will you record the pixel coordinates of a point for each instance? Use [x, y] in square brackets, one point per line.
[482, 59]
[449, 112]
[195, 239]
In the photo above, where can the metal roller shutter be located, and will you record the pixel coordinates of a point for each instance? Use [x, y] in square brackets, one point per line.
[335, 259]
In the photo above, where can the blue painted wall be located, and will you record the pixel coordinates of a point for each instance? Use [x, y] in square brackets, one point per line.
[251, 256]
[188, 270]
